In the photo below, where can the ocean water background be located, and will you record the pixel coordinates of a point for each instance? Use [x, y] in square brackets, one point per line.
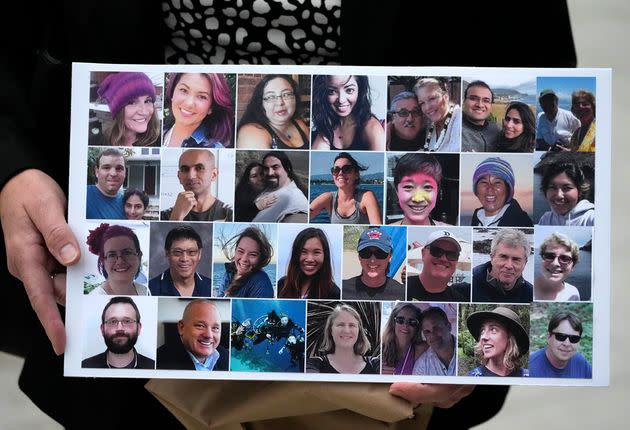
[266, 356]
[218, 272]
[323, 217]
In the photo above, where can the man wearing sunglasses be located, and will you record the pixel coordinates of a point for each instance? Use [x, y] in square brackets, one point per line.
[404, 130]
[439, 261]
[560, 358]
[375, 255]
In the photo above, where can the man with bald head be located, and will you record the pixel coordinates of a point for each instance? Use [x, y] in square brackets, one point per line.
[196, 172]
[200, 337]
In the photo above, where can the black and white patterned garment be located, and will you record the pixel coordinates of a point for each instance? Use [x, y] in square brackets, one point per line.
[253, 31]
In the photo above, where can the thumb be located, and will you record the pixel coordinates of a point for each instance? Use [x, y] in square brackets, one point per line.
[47, 212]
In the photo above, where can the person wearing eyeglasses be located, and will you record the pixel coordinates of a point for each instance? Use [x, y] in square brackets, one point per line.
[439, 359]
[196, 173]
[478, 133]
[493, 184]
[183, 249]
[417, 178]
[440, 256]
[200, 111]
[402, 341]
[199, 344]
[342, 114]
[375, 249]
[502, 342]
[119, 260]
[500, 280]
[405, 131]
[349, 204]
[272, 117]
[560, 358]
[120, 327]
[559, 255]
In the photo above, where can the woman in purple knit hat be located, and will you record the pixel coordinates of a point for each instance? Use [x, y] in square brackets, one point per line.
[130, 97]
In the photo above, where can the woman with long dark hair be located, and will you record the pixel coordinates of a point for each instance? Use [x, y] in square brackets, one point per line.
[272, 117]
[251, 184]
[342, 114]
[248, 252]
[519, 129]
[309, 272]
[201, 111]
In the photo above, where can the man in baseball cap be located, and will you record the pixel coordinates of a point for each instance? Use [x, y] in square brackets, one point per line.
[554, 125]
[440, 256]
[375, 254]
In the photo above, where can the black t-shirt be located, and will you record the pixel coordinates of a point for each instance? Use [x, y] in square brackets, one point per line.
[459, 292]
[355, 289]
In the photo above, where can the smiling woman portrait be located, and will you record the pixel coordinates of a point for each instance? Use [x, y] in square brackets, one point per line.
[130, 97]
[119, 259]
[248, 253]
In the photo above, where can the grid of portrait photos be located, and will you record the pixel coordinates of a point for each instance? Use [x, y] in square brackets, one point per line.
[339, 223]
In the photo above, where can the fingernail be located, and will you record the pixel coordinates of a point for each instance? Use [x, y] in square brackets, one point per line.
[67, 253]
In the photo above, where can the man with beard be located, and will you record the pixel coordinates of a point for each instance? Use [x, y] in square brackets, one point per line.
[197, 171]
[405, 131]
[478, 133]
[120, 327]
[291, 203]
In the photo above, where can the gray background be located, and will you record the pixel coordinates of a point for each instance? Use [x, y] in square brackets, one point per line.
[601, 30]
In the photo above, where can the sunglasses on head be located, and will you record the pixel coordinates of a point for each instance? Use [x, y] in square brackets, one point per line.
[561, 337]
[346, 168]
[437, 252]
[379, 254]
[562, 259]
[411, 322]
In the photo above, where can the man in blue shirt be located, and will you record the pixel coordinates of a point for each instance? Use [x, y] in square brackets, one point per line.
[200, 334]
[560, 358]
[183, 249]
[104, 199]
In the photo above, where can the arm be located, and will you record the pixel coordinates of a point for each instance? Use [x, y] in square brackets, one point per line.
[370, 205]
[440, 395]
[320, 143]
[253, 136]
[38, 242]
[374, 135]
[321, 202]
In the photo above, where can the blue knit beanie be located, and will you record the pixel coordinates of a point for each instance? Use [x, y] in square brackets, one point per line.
[497, 167]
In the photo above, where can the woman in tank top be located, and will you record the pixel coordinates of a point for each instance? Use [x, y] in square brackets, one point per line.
[349, 204]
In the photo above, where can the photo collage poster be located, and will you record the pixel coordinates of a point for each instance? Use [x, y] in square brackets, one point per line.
[338, 223]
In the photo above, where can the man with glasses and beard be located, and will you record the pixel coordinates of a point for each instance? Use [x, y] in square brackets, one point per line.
[560, 359]
[439, 261]
[375, 255]
[405, 131]
[120, 327]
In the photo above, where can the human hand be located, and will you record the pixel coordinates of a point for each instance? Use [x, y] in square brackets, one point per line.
[184, 203]
[266, 201]
[39, 243]
[438, 395]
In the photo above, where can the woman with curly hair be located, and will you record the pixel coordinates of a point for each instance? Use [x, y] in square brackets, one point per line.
[119, 260]
[402, 339]
[342, 114]
[247, 253]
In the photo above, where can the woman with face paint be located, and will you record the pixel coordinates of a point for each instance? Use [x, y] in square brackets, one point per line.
[417, 179]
